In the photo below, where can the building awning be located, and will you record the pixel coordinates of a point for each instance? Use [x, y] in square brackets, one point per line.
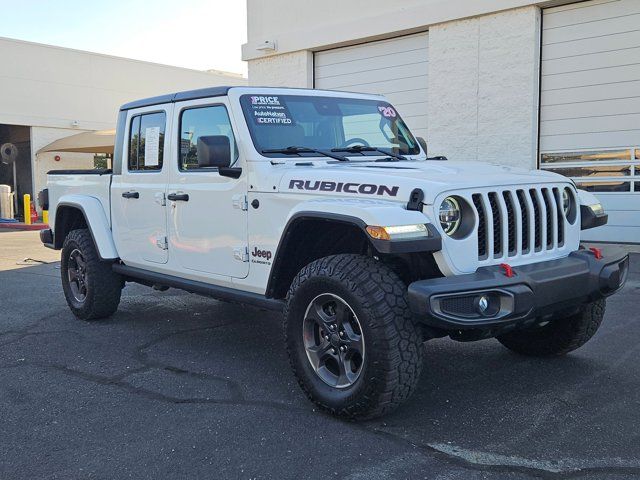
[100, 141]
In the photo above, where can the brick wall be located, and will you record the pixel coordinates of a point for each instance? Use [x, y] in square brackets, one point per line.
[293, 69]
[483, 88]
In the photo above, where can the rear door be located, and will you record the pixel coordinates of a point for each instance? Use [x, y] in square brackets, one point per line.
[138, 193]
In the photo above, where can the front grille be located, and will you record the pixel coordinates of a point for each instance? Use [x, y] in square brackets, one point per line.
[519, 222]
[482, 226]
[524, 218]
[497, 224]
[537, 220]
[511, 235]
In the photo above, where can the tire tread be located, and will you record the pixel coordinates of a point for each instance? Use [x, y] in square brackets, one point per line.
[105, 284]
[559, 337]
[381, 291]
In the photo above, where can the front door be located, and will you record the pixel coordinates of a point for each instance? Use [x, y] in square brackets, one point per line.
[138, 192]
[207, 212]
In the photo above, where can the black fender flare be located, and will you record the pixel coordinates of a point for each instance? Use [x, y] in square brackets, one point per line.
[432, 243]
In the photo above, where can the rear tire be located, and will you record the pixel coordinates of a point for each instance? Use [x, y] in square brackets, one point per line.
[363, 309]
[558, 337]
[90, 286]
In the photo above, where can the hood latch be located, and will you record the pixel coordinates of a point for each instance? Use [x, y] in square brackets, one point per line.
[415, 200]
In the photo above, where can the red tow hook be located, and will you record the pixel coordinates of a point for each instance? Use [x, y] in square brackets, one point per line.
[508, 270]
[596, 253]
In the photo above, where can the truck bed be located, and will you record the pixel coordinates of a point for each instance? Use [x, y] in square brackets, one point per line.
[94, 183]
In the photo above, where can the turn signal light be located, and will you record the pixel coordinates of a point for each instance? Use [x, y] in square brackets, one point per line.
[398, 232]
[378, 233]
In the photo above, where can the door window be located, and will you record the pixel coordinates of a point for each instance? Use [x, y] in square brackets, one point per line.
[200, 122]
[146, 142]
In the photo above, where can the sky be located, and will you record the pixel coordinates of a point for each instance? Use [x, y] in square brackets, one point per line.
[198, 34]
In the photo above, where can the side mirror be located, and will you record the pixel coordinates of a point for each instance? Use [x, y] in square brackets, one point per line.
[423, 144]
[214, 151]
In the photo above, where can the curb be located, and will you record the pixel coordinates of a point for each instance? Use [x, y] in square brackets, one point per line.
[23, 226]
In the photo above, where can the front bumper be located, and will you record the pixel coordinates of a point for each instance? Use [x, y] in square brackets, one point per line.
[488, 298]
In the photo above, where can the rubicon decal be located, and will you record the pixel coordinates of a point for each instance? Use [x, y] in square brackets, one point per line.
[346, 187]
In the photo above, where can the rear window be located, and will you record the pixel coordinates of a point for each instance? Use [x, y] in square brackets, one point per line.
[146, 141]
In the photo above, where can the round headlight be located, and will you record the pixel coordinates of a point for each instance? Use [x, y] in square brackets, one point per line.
[566, 201]
[450, 215]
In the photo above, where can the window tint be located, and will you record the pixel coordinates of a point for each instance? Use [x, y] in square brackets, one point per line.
[146, 141]
[201, 122]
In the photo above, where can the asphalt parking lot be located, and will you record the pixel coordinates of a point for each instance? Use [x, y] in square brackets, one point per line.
[180, 386]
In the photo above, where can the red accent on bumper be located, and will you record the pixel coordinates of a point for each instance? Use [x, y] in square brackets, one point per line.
[596, 253]
[508, 270]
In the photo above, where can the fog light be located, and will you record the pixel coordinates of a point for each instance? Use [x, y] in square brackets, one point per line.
[487, 305]
[483, 304]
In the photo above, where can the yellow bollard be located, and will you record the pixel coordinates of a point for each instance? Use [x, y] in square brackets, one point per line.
[45, 217]
[26, 204]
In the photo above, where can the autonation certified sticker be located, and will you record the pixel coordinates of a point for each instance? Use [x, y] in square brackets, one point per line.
[268, 109]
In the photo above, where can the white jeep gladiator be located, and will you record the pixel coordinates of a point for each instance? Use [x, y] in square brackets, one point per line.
[322, 205]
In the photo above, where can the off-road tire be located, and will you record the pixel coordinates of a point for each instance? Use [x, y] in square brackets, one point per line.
[393, 342]
[103, 286]
[558, 337]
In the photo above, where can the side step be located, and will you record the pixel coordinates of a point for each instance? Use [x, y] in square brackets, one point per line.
[227, 294]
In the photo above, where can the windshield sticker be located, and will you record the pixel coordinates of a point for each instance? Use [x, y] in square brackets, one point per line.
[387, 111]
[269, 110]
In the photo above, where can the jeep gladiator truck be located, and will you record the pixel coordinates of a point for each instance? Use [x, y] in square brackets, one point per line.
[323, 206]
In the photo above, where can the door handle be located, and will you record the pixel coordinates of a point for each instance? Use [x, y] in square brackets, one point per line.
[131, 195]
[178, 196]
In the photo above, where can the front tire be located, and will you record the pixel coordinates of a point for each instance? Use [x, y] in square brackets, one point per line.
[351, 337]
[90, 286]
[559, 336]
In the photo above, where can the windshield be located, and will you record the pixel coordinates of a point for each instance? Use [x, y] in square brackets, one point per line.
[324, 123]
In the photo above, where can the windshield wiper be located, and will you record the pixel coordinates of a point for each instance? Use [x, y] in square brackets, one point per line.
[361, 148]
[298, 150]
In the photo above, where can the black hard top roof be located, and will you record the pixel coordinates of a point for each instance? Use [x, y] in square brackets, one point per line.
[177, 97]
[202, 93]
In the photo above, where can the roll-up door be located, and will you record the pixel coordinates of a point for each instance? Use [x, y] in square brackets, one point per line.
[590, 106]
[396, 68]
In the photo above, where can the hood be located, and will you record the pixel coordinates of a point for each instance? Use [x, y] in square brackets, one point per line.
[396, 180]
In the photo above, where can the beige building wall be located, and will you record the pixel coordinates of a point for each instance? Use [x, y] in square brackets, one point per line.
[483, 88]
[60, 92]
[49, 86]
[484, 61]
[294, 69]
[312, 25]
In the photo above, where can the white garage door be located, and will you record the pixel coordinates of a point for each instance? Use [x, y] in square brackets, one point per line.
[396, 68]
[590, 106]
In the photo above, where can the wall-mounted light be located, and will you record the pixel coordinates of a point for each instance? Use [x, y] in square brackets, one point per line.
[267, 46]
